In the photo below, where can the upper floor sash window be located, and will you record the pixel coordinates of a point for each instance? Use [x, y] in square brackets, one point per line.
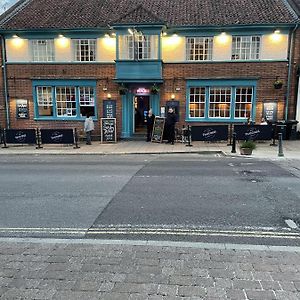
[42, 50]
[85, 49]
[138, 47]
[199, 48]
[246, 47]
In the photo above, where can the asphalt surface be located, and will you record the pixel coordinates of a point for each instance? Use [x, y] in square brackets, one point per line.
[163, 197]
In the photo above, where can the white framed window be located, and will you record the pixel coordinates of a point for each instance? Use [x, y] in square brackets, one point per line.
[243, 102]
[42, 50]
[85, 49]
[138, 47]
[65, 101]
[44, 100]
[87, 101]
[245, 47]
[197, 102]
[219, 102]
[199, 48]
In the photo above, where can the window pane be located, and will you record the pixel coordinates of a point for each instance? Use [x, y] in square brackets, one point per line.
[245, 47]
[220, 101]
[199, 48]
[65, 101]
[85, 50]
[87, 101]
[197, 102]
[44, 101]
[243, 102]
[42, 50]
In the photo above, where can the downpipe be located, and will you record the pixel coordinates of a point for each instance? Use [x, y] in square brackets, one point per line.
[4, 72]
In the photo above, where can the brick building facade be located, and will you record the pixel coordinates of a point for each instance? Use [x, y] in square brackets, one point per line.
[220, 75]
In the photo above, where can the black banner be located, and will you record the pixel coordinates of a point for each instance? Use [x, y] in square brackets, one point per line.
[20, 136]
[210, 133]
[108, 130]
[158, 130]
[109, 109]
[253, 132]
[57, 136]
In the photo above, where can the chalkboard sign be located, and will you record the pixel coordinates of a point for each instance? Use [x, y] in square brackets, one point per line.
[270, 111]
[158, 130]
[109, 109]
[108, 130]
[22, 111]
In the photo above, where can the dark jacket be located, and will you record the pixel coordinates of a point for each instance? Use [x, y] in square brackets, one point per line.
[150, 121]
[171, 120]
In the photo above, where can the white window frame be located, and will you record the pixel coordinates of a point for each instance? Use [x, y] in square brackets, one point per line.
[199, 48]
[199, 99]
[216, 111]
[87, 55]
[64, 102]
[246, 47]
[242, 102]
[42, 50]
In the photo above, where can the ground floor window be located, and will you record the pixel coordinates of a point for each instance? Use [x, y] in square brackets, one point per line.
[220, 101]
[64, 101]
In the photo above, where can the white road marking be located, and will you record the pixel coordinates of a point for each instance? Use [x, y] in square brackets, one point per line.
[291, 223]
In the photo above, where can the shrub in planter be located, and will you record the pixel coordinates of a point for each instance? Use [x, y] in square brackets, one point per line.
[278, 84]
[154, 89]
[123, 90]
[247, 147]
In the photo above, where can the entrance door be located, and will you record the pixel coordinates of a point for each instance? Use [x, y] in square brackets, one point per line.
[141, 107]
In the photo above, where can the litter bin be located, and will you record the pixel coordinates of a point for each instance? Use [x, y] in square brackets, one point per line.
[288, 129]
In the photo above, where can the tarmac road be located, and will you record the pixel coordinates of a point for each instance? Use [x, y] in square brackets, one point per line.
[188, 197]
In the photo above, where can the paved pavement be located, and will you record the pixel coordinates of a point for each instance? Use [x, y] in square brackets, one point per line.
[98, 269]
[291, 149]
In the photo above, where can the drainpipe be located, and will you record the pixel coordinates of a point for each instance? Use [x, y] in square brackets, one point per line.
[290, 69]
[4, 72]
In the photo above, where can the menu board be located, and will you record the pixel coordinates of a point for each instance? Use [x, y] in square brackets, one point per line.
[270, 111]
[158, 130]
[22, 110]
[109, 109]
[108, 130]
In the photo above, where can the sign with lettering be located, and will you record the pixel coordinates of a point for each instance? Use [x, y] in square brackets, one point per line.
[270, 111]
[22, 110]
[108, 130]
[210, 133]
[158, 130]
[20, 136]
[57, 136]
[253, 132]
[109, 109]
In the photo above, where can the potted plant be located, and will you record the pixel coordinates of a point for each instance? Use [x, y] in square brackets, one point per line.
[154, 89]
[123, 90]
[247, 147]
[278, 83]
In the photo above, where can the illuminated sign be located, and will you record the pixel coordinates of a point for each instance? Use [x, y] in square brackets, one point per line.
[142, 90]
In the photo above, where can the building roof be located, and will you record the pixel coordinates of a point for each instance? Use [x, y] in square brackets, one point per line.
[296, 5]
[76, 14]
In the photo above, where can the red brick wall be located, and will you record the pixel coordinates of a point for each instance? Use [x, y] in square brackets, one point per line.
[175, 75]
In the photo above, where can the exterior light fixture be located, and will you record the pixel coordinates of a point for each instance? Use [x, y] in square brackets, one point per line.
[175, 35]
[17, 41]
[105, 88]
[276, 36]
[130, 31]
[62, 40]
[223, 38]
[164, 33]
[108, 96]
[113, 34]
[173, 96]
[107, 35]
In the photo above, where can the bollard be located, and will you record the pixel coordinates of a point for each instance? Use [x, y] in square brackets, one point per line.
[280, 149]
[233, 149]
[189, 137]
[75, 135]
[38, 139]
[4, 139]
[274, 135]
[230, 130]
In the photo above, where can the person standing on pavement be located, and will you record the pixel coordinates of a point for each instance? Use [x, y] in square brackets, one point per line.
[170, 126]
[88, 129]
[150, 122]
